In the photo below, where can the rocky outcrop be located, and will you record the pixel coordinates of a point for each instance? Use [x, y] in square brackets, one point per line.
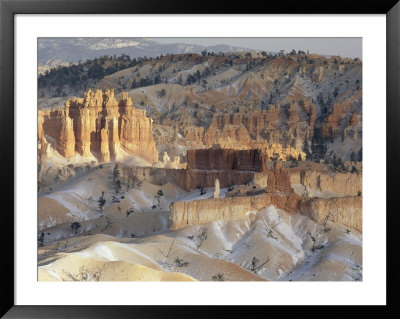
[193, 135]
[66, 146]
[226, 159]
[233, 208]
[260, 179]
[292, 117]
[279, 193]
[349, 184]
[343, 210]
[344, 116]
[278, 152]
[168, 163]
[216, 189]
[258, 130]
[99, 125]
[313, 115]
[254, 122]
[279, 180]
[230, 167]
[44, 148]
[189, 179]
[230, 136]
[136, 131]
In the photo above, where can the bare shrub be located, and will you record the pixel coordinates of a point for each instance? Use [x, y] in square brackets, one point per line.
[83, 275]
[180, 262]
[202, 237]
[218, 277]
[255, 264]
[324, 223]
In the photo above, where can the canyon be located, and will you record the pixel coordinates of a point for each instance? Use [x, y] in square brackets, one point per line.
[279, 193]
[238, 166]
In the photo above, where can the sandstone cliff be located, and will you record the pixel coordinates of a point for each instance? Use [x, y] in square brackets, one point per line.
[279, 180]
[226, 159]
[190, 179]
[98, 125]
[258, 130]
[344, 117]
[230, 167]
[233, 208]
[342, 210]
[341, 183]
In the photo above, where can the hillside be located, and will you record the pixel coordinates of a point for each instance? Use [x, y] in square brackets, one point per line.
[308, 105]
[235, 166]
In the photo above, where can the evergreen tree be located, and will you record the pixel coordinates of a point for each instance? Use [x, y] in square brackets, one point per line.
[117, 186]
[360, 153]
[115, 172]
[318, 146]
[75, 227]
[101, 201]
[159, 194]
[306, 148]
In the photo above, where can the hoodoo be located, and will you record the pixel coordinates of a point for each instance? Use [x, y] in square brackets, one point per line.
[279, 180]
[99, 125]
[216, 189]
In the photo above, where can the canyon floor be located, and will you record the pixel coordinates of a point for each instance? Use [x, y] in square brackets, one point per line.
[131, 240]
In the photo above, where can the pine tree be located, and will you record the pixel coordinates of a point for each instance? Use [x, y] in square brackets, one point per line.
[115, 172]
[75, 227]
[306, 148]
[117, 186]
[318, 146]
[101, 201]
[360, 153]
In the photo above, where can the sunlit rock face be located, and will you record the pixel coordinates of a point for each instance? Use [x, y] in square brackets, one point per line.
[99, 125]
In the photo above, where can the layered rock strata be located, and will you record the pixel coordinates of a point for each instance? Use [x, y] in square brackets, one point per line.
[98, 125]
[233, 208]
[226, 159]
[279, 180]
[189, 179]
[279, 193]
[349, 184]
[257, 130]
[343, 210]
[230, 167]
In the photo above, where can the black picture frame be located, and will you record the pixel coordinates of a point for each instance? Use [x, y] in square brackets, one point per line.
[9, 8]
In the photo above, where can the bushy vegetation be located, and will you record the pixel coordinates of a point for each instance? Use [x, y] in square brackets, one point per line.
[94, 69]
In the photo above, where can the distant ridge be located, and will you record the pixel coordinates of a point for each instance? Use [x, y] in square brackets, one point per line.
[73, 50]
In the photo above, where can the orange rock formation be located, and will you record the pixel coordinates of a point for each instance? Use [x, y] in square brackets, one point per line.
[230, 167]
[344, 210]
[226, 159]
[98, 125]
[279, 180]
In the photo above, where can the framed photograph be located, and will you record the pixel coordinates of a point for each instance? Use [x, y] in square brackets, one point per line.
[163, 154]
